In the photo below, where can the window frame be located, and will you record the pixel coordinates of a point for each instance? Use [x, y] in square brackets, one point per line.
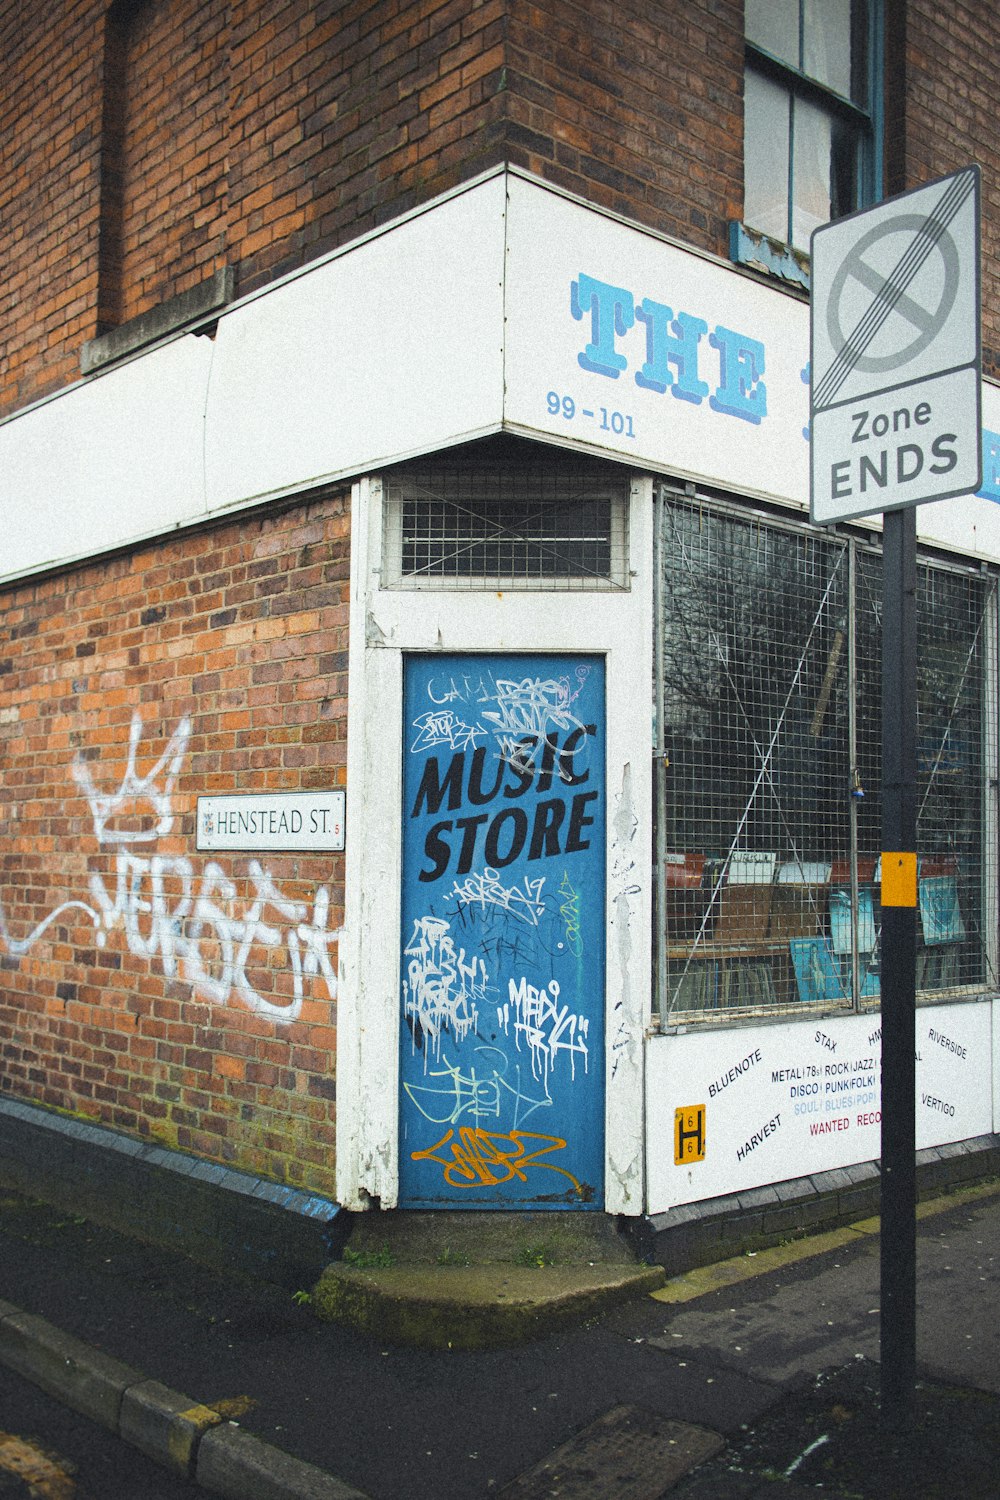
[402, 486]
[670, 1013]
[758, 248]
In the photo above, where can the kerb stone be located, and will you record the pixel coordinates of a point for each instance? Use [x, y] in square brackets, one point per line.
[166, 1425]
[237, 1465]
[90, 1382]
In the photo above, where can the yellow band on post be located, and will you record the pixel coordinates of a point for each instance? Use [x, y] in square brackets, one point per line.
[899, 879]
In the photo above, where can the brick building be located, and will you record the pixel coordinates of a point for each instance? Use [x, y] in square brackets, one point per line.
[439, 759]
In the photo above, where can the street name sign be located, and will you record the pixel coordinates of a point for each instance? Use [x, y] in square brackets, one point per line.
[895, 353]
[292, 821]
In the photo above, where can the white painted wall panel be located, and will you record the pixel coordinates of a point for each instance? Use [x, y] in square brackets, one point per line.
[113, 459]
[392, 348]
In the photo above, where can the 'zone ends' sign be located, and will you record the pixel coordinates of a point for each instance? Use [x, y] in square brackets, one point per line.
[895, 389]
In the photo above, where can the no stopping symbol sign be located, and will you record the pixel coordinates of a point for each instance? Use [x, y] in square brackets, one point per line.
[895, 364]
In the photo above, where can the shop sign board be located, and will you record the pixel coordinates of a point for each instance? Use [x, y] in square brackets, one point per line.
[795, 1098]
[895, 353]
[624, 343]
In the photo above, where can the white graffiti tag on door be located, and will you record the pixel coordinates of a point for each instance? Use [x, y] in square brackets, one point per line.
[528, 714]
[484, 888]
[532, 706]
[547, 1027]
[442, 727]
[190, 922]
[482, 1091]
[443, 989]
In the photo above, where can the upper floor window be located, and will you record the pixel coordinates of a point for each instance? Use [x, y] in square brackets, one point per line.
[811, 148]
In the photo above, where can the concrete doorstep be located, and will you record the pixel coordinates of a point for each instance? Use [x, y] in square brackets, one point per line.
[192, 1440]
[473, 1280]
[473, 1307]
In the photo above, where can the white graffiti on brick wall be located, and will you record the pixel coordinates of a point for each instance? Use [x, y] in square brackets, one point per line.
[546, 1027]
[196, 932]
[18, 947]
[134, 790]
[443, 989]
[189, 922]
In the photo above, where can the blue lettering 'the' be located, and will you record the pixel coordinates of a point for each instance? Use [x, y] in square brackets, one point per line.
[671, 341]
[991, 466]
[612, 312]
[741, 392]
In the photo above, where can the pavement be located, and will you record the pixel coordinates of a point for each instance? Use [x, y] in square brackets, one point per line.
[238, 1389]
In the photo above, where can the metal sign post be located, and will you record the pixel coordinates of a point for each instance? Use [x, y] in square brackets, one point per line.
[895, 421]
[898, 1240]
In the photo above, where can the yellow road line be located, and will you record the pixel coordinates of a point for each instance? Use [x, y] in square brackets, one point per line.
[705, 1279]
[46, 1477]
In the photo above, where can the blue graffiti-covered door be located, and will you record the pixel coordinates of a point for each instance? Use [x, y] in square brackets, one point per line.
[503, 922]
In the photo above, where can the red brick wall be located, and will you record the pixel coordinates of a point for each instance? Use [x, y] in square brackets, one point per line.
[134, 1006]
[172, 67]
[273, 134]
[637, 106]
[50, 132]
[177, 144]
[342, 116]
[259, 143]
[951, 110]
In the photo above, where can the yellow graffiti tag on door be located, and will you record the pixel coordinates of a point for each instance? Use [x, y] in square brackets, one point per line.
[689, 1134]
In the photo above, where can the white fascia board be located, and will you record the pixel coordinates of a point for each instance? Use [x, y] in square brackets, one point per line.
[393, 350]
[113, 460]
[475, 313]
[386, 349]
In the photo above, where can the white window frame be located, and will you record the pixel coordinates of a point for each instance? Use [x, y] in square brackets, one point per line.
[398, 490]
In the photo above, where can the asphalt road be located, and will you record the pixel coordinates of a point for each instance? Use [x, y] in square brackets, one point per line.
[448, 1425]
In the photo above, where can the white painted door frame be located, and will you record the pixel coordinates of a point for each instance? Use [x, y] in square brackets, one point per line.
[385, 623]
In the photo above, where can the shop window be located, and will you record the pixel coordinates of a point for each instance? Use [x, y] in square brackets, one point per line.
[811, 110]
[768, 769]
[507, 529]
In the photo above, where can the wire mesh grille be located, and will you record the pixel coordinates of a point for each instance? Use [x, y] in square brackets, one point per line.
[514, 529]
[769, 767]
